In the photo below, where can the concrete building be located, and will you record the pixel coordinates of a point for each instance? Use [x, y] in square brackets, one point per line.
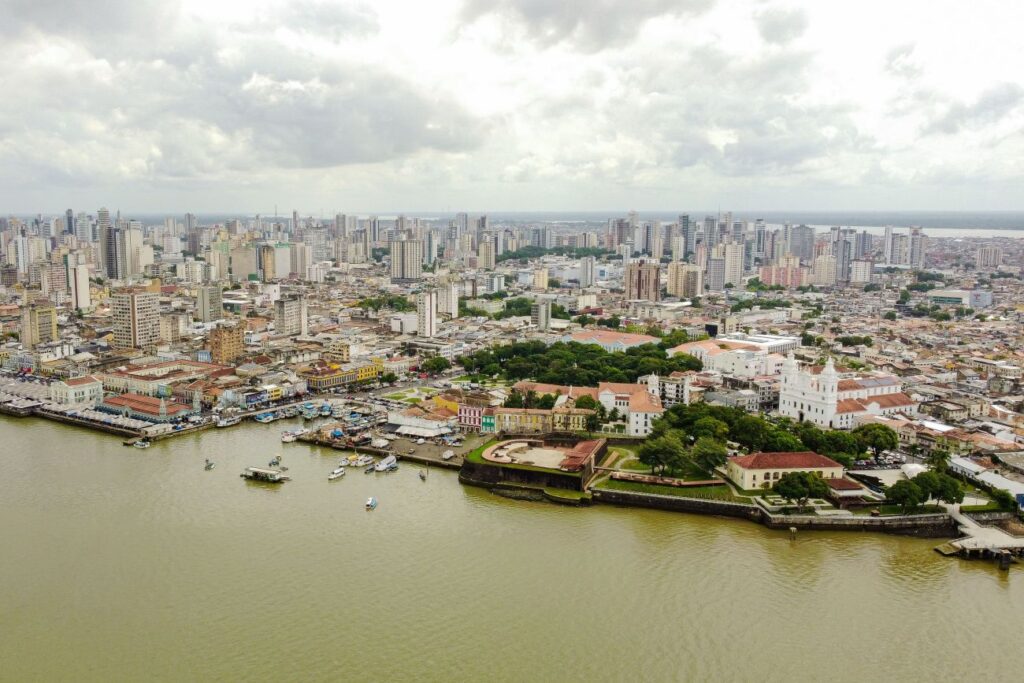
[540, 278]
[762, 470]
[77, 391]
[685, 280]
[136, 318]
[540, 314]
[78, 279]
[426, 313]
[38, 325]
[643, 280]
[587, 269]
[209, 304]
[227, 343]
[406, 260]
[290, 316]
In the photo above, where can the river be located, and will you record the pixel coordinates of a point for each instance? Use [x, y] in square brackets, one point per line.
[122, 564]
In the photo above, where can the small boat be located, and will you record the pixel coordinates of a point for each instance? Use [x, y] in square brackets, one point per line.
[275, 462]
[265, 418]
[448, 455]
[210, 464]
[370, 470]
[371, 503]
[363, 460]
[423, 475]
[386, 464]
[261, 474]
[336, 473]
[325, 410]
[228, 421]
[141, 444]
[288, 437]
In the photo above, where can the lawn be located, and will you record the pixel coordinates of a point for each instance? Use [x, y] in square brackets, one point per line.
[701, 492]
[476, 456]
[895, 510]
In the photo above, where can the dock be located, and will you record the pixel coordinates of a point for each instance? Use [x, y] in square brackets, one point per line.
[980, 541]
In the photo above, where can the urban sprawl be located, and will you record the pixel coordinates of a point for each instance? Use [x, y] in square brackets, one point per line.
[804, 377]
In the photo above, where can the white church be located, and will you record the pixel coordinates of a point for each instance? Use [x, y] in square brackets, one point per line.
[834, 400]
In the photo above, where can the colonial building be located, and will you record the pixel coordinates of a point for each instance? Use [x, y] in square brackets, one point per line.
[762, 470]
[833, 400]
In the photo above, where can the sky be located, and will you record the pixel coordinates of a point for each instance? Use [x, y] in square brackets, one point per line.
[511, 105]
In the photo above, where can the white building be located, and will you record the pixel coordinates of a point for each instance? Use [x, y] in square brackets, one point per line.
[426, 313]
[833, 401]
[77, 391]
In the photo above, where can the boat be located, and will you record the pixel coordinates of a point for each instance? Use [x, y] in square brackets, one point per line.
[370, 470]
[336, 473]
[265, 418]
[288, 437]
[371, 503]
[337, 412]
[275, 462]
[142, 444]
[262, 474]
[420, 442]
[210, 464]
[423, 475]
[325, 410]
[229, 421]
[448, 455]
[380, 443]
[363, 460]
[388, 464]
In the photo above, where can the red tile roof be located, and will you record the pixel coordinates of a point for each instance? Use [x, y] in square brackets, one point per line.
[788, 460]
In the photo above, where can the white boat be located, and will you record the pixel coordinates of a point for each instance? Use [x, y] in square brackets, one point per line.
[388, 463]
[288, 437]
[336, 473]
[228, 421]
[141, 444]
[420, 442]
[448, 455]
[263, 474]
[371, 503]
[363, 461]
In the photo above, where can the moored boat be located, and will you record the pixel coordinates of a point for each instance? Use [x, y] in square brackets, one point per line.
[263, 474]
[229, 421]
[141, 444]
[388, 464]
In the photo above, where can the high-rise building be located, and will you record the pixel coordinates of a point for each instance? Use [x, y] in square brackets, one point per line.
[685, 280]
[801, 242]
[38, 325]
[209, 304]
[78, 282]
[733, 253]
[540, 278]
[485, 254]
[688, 231]
[860, 271]
[716, 274]
[136, 318]
[989, 258]
[540, 314]
[823, 273]
[426, 313]
[406, 259]
[918, 245]
[643, 280]
[227, 343]
[290, 316]
[587, 267]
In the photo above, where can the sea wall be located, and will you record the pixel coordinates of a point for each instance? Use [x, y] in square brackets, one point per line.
[678, 503]
[476, 474]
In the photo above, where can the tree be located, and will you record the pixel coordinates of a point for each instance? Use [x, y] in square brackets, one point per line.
[710, 427]
[1004, 499]
[781, 441]
[514, 400]
[750, 431]
[389, 378]
[592, 422]
[800, 487]
[614, 415]
[661, 452]
[938, 459]
[890, 315]
[876, 437]
[709, 454]
[906, 494]
[587, 402]
[436, 364]
[545, 402]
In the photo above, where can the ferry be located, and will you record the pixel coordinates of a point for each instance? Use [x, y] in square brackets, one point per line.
[336, 473]
[263, 474]
[371, 503]
[229, 421]
[388, 464]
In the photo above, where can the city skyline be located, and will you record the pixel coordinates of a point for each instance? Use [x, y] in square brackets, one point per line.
[512, 105]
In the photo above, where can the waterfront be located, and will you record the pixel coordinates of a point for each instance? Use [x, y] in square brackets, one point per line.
[121, 564]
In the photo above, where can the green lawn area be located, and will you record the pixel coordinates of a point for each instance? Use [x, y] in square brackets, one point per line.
[895, 510]
[988, 507]
[701, 492]
[567, 495]
[400, 396]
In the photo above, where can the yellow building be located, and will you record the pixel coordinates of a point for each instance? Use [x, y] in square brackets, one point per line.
[762, 470]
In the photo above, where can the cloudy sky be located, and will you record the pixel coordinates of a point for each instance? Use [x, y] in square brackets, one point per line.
[447, 105]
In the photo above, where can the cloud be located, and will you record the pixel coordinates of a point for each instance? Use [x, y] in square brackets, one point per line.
[779, 25]
[589, 26]
[900, 61]
[989, 109]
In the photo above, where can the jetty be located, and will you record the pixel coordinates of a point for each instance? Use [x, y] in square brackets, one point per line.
[982, 541]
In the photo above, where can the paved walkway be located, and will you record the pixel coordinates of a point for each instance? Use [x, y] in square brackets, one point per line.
[978, 537]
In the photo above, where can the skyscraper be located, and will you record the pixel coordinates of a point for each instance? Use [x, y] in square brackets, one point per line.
[540, 314]
[209, 304]
[406, 259]
[587, 268]
[38, 325]
[136, 318]
[643, 280]
[426, 313]
[290, 317]
[685, 280]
